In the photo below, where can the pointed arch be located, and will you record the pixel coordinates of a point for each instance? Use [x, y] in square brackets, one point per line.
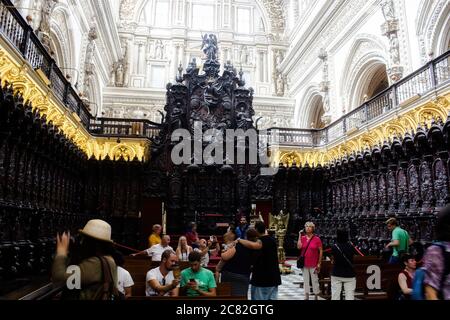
[62, 40]
[309, 108]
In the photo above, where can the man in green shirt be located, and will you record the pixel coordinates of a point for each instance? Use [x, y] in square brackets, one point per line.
[196, 280]
[400, 241]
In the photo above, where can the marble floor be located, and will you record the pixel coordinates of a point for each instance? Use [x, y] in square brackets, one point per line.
[290, 287]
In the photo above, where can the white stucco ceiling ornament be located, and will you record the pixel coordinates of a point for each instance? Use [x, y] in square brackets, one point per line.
[275, 11]
[127, 8]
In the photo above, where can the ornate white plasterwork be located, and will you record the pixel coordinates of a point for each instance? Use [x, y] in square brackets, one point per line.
[404, 38]
[59, 28]
[439, 14]
[274, 9]
[276, 14]
[430, 13]
[322, 38]
[127, 8]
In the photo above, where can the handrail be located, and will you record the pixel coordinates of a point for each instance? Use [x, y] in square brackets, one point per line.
[125, 247]
[45, 292]
[23, 38]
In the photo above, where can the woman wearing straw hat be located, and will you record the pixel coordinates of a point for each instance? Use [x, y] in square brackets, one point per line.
[93, 256]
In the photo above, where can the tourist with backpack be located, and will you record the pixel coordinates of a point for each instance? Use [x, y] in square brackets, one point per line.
[92, 255]
[436, 261]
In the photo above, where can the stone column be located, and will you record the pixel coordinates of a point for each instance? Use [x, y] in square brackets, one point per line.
[390, 29]
[325, 87]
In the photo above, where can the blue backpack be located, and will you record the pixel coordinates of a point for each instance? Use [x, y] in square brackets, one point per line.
[419, 276]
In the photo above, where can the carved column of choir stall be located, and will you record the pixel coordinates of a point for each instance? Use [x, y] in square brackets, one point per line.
[406, 177]
[48, 185]
[39, 186]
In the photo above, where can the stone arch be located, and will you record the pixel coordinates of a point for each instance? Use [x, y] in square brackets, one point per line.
[62, 40]
[365, 70]
[95, 95]
[308, 108]
[433, 26]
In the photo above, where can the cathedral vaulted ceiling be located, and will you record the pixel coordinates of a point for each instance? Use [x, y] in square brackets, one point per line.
[274, 9]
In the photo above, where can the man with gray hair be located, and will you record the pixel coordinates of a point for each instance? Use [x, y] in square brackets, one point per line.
[157, 250]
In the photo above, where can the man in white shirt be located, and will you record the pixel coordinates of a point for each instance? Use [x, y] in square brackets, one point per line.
[124, 282]
[157, 250]
[161, 280]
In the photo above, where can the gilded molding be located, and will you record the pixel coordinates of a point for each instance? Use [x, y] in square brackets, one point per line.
[437, 108]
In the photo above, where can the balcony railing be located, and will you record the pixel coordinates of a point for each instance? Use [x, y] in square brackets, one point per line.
[124, 128]
[430, 77]
[22, 37]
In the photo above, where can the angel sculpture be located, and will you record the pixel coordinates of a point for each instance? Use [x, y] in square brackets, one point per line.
[279, 222]
[209, 46]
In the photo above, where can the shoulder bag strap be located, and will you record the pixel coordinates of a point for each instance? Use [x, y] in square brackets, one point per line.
[345, 257]
[108, 281]
[310, 240]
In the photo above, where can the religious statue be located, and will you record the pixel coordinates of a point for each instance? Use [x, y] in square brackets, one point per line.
[159, 50]
[209, 46]
[46, 11]
[279, 224]
[387, 6]
[88, 62]
[278, 59]
[176, 116]
[280, 85]
[393, 49]
[244, 55]
[119, 74]
[243, 118]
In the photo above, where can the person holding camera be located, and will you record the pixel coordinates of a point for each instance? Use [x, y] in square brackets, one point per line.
[310, 258]
[93, 256]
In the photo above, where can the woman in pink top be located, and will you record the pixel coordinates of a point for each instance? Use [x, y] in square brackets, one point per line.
[310, 247]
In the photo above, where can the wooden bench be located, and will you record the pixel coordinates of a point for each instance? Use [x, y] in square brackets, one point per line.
[388, 280]
[191, 298]
[139, 266]
[223, 290]
[389, 274]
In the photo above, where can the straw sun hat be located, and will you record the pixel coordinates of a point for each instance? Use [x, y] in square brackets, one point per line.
[97, 229]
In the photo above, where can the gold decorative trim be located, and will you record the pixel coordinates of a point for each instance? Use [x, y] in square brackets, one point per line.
[35, 89]
[436, 108]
